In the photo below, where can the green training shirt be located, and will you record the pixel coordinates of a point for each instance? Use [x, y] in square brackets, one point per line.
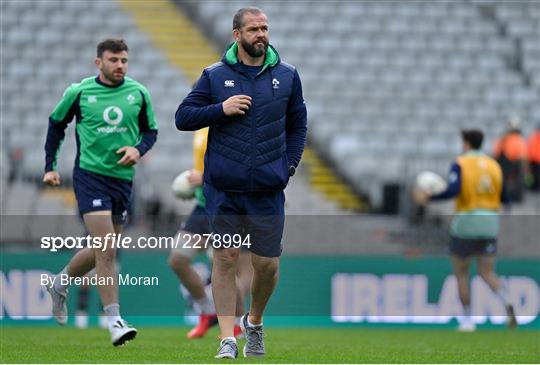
[108, 118]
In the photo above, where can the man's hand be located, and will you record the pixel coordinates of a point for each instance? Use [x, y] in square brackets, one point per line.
[131, 156]
[51, 178]
[236, 105]
[195, 178]
[420, 197]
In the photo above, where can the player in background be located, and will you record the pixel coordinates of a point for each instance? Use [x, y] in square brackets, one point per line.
[475, 182]
[181, 258]
[533, 156]
[510, 151]
[115, 127]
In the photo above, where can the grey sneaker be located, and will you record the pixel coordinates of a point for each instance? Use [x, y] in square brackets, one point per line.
[227, 349]
[59, 308]
[254, 336]
[121, 333]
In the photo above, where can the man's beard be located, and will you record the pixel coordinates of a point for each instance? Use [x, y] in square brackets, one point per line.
[114, 79]
[253, 51]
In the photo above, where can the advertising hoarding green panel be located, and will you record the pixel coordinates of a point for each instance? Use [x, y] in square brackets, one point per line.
[312, 291]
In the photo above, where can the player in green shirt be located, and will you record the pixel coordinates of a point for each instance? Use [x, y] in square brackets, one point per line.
[115, 126]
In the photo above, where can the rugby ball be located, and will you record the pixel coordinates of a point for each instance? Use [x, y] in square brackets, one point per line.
[181, 187]
[430, 182]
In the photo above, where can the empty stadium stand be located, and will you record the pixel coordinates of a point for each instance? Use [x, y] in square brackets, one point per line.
[389, 84]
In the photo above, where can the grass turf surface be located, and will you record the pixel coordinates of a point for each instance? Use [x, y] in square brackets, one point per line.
[283, 345]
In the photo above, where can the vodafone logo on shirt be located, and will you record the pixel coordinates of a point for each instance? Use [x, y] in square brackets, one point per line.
[113, 115]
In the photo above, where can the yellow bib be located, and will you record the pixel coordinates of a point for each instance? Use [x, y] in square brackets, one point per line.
[481, 183]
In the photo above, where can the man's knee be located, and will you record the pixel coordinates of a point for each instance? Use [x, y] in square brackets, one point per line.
[107, 256]
[266, 266]
[462, 278]
[177, 261]
[461, 274]
[460, 266]
[226, 258]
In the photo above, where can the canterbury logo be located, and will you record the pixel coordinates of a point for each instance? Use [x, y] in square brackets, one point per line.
[229, 83]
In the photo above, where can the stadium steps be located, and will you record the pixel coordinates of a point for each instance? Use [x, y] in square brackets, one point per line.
[324, 179]
[66, 195]
[172, 31]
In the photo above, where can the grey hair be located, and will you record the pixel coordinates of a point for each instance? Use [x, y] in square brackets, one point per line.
[238, 20]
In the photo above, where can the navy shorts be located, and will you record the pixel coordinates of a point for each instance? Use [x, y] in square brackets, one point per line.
[463, 247]
[197, 222]
[95, 192]
[260, 215]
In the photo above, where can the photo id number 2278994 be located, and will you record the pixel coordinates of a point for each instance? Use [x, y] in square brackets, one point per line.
[216, 241]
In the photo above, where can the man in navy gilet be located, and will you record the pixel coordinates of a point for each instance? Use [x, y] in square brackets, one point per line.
[252, 102]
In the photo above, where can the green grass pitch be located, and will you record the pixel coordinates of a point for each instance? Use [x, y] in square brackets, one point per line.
[283, 345]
